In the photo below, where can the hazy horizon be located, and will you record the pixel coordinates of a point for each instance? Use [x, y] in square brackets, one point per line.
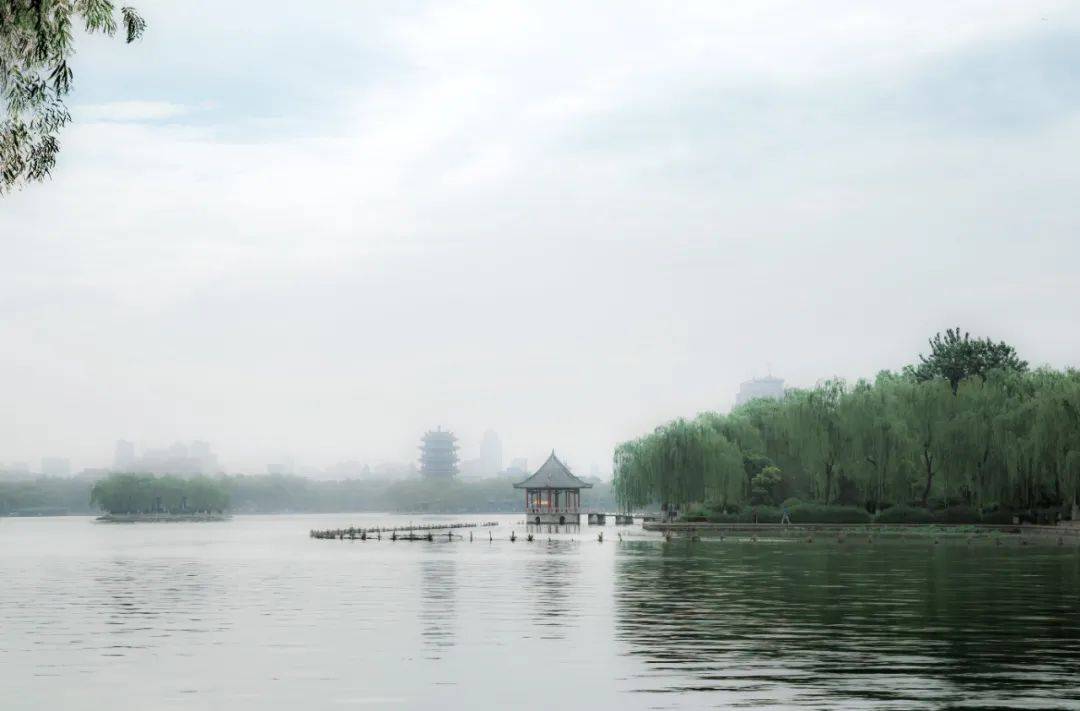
[567, 223]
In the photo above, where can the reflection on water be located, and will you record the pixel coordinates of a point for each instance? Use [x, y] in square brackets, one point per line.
[254, 614]
[885, 626]
[549, 587]
[438, 589]
[540, 529]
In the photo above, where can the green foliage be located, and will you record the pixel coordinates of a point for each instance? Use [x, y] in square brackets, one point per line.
[286, 494]
[955, 357]
[960, 514]
[750, 514]
[800, 513]
[1004, 434]
[45, 496]
[147, 494]
[1002, 517]
[273, 494]
[697, 512]
[36, 44]
[817, 513]
[905, 514]
[766, 485]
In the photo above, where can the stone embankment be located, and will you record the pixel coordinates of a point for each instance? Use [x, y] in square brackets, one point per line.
[1067, 532]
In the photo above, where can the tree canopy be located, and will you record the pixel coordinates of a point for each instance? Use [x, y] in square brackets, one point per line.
[998, 437]
[955, 357]
[147, 494]
[36, 45]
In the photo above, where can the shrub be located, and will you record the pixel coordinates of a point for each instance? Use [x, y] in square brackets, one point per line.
[815, 513]
[1000, 517]
[791, 502]
[696, 513]
[765, 514]
[904, 514]
[959, 514]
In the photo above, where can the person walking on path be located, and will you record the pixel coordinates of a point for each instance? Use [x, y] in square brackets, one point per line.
[785, 516]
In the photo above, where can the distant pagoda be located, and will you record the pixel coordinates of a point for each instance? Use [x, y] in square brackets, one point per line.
[438, 454]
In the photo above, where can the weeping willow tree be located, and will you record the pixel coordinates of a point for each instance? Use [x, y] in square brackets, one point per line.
[1003, 439]
[817, 436]
[681, 462]
[924, 406]
[36, 46]
[876, 440]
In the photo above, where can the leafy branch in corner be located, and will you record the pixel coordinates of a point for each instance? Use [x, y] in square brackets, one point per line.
[36, 45]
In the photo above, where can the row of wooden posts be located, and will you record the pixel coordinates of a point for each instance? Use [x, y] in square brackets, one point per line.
[363, 534]
[353, 533]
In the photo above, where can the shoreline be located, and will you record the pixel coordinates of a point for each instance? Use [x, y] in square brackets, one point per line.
[161, 518]
[901, 530]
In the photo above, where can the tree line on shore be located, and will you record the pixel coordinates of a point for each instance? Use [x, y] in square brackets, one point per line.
[968, 426]
[131, 493]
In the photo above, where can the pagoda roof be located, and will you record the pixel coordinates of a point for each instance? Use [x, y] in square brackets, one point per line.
[553, 474]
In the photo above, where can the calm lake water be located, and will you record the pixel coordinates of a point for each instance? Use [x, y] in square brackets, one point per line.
[253, 614]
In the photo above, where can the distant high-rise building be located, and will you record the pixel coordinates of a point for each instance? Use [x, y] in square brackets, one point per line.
[202, 453]
[769, 388]
[519, 466]
[179, 458]
[284, 465]
[438, 454]
[349, 469]
[491, 454]
[124, 456]
[55, 466]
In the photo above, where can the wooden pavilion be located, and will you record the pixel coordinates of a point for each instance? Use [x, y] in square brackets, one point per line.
[553, 494]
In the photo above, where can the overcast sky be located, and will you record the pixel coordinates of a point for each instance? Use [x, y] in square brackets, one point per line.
[319, 230]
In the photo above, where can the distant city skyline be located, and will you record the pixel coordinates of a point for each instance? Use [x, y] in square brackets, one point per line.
[200, 457]
[505, 218]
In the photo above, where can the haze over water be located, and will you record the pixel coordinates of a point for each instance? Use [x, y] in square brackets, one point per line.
[253, 614]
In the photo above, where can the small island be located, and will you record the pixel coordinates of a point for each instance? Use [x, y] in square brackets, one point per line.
[130, 498]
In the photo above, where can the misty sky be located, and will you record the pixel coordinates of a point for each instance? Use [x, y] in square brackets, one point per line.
[321, 229]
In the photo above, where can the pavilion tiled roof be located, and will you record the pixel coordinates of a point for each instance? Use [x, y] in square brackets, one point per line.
[553, 474]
